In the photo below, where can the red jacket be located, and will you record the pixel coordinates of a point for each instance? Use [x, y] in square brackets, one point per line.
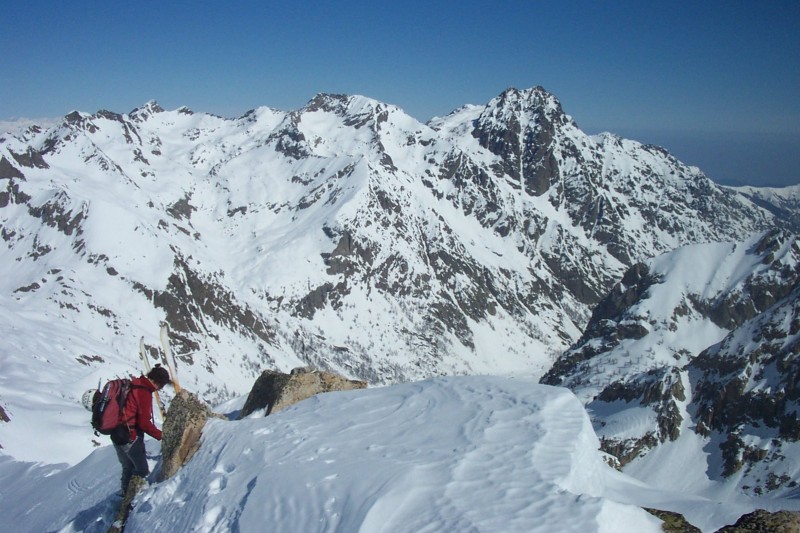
[138, 413]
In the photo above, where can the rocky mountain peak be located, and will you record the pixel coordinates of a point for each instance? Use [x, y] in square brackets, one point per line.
[141, 114]
[532, 102]
[77, 120]
[356, 111]
[521, 110]
[332, 103]
[520, 127]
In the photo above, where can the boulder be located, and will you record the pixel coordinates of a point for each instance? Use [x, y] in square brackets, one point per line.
[274, 390]
[761, 520]
[673, 522]
[183, 426]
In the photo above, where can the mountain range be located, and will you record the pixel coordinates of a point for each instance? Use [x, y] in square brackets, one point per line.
[499, 239]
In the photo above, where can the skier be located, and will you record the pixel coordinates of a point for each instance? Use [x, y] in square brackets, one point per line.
[138, 418]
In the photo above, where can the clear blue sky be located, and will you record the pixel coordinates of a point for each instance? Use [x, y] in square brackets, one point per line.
[717, 82]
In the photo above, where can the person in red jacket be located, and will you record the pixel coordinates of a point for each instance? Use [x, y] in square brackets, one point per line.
[138, 416]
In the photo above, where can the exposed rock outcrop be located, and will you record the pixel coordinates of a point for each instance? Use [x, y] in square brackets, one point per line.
[662, 391]
[673, 522]
[183, 426]
[274, 390]
[761, 520]
[711, 349]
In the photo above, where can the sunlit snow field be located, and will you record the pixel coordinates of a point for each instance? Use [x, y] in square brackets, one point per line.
[447, 454]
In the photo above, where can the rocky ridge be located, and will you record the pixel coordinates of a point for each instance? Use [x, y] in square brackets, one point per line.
[714, 354]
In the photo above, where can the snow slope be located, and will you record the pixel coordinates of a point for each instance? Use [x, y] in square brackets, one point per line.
[478, 454]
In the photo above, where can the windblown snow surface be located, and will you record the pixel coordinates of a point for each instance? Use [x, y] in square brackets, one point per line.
[447, 454]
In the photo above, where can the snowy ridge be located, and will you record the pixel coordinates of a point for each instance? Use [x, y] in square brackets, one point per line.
[449, 454]
[668, 324]
[784, 202]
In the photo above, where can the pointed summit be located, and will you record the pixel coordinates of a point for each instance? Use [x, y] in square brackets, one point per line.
[142, 113]
[357, 110]
[527, 101]
[519, 126]
[333, 103]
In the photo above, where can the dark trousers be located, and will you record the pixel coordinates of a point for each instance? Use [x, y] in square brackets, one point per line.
[133, 458]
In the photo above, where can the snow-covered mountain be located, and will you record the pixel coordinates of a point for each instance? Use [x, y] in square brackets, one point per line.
[345, 234]
[695, 353]
[783, 202]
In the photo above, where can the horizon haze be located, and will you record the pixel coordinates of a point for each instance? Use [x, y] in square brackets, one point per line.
[714, 83]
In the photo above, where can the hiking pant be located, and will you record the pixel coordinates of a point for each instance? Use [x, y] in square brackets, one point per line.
[133, 459]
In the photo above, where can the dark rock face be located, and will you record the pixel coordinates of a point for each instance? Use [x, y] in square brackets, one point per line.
[190, 300]
[744, 389]
[608, 323]
[9, 171]
[661, 390]
[290, 141]
[274, 391]
[673, 522]
[59, 213]
[762, 521]
[30, 159]
[632, 287]
[519, 127]
[750, 384]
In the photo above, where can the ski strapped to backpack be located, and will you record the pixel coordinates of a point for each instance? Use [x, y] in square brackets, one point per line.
[147, 369]
[170, 358]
